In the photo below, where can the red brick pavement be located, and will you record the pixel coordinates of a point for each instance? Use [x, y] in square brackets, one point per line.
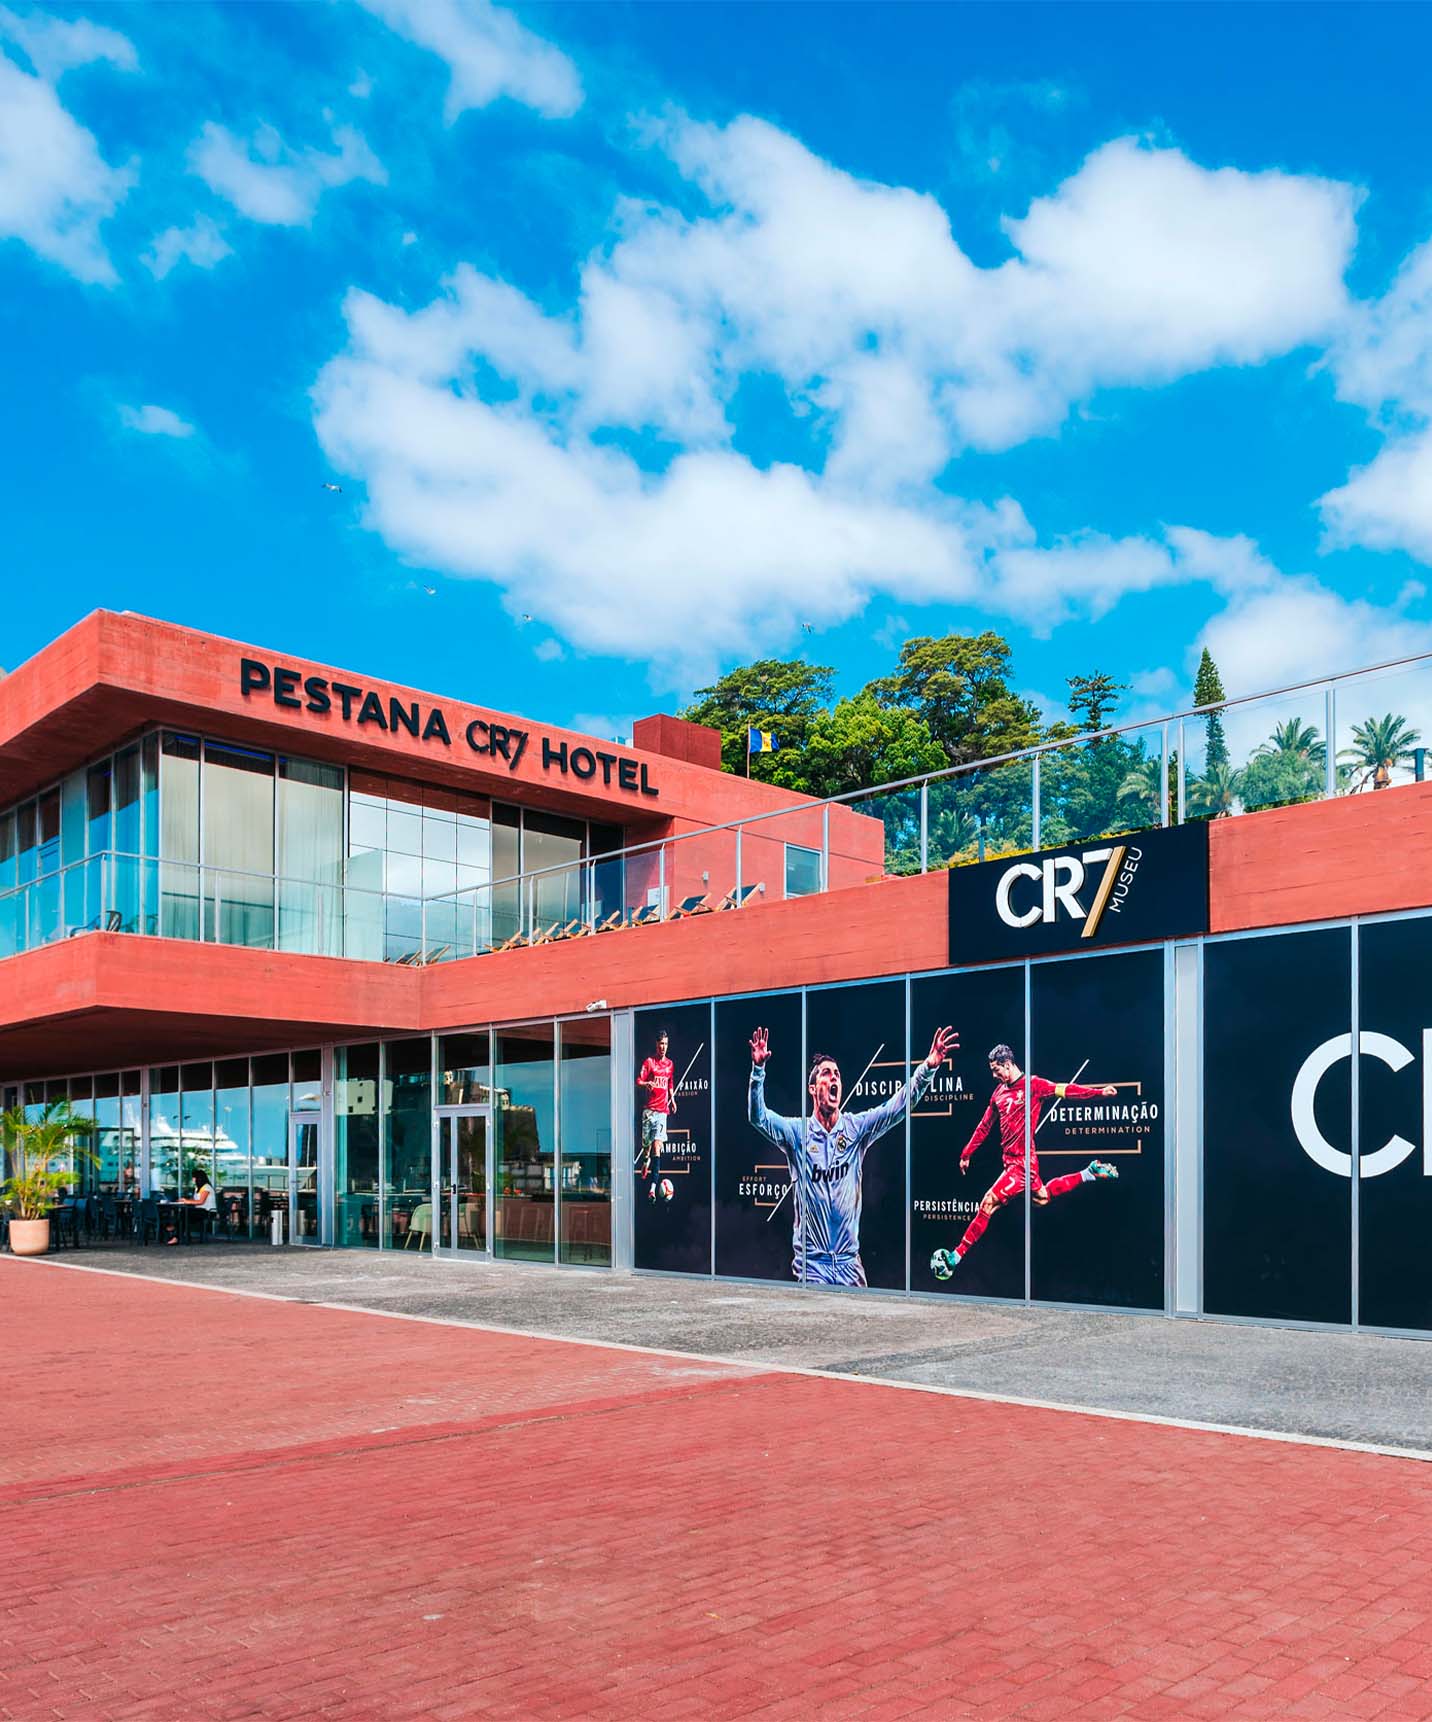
[231, 1508]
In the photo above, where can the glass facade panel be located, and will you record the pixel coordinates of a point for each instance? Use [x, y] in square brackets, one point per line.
[310, 856]
[108, 1143]
[407, 1144]
[270, 1141]
[238, 804]
[585, 1090]
[131, 1132]
[524, 1187]
[179, 838]
[356, 1145]
[231, 1144]
[802, 871]
[464, 1069]
[164, 1132]
[196, 1083]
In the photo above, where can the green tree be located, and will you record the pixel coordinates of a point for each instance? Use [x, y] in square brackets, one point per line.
[854, 745]
[1378, 746]
[958, 686]
[1208, 691]
[778, 694]
[1093, 700]
[44, 1154]
[1216, 794]
[1139, 792]
[1289, 767]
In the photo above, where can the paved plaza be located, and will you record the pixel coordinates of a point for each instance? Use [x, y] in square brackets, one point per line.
[226, 1506]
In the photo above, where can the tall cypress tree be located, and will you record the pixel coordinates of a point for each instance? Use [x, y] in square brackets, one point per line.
[1208, 691]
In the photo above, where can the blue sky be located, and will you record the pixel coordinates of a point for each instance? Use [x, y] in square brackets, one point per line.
[638, 336]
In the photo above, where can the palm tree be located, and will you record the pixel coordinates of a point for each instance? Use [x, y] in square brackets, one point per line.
[43, 1154]
[1140, 789]
[1378, 745]
[1294, 740]
[1215, 794]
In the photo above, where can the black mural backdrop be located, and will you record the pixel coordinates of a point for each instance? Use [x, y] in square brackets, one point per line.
[1100, 1021]
[984, 1008]
[674, 1234]
[1277, 1227]
[1394, 1191]
[857, 1025]
[754, 1210]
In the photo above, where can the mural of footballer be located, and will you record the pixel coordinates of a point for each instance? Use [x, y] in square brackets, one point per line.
[826, 1156]
[1007, 1104]
[658, 1105]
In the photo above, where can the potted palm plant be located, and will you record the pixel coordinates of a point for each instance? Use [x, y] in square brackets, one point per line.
[43, 1154]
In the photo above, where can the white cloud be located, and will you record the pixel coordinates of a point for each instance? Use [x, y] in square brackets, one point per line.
[513, 442]
[489, 54]
[201, 244]
[1383, 361]
[155, 421]
[361, 87]
[268, 181]
[548, 651]
[1387, 505]
[54, 46]
[55, 187]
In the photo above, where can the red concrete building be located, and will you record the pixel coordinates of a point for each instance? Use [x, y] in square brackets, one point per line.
[384, 965]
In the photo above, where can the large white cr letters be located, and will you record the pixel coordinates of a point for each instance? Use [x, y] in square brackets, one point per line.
[1060, 878]
[1396, 1149]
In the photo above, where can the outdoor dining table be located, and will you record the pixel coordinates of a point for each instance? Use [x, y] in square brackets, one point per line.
[180, 1215]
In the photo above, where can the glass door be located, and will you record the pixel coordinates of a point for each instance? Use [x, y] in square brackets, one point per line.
[303, 1219]
[464, 1142]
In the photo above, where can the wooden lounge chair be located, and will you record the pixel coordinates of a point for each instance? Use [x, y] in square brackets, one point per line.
[701, 905]
[738, 897]
[645, 917]
[617, 918]
[512, 943]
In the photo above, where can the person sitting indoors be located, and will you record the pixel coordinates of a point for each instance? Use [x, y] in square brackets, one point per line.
[203, 1197]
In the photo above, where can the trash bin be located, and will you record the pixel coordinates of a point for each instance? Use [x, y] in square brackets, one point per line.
[276, 1226]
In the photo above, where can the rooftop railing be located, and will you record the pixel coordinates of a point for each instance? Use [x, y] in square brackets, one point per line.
[1242, 755]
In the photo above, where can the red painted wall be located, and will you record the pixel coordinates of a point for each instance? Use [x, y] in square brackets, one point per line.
[1359, 855]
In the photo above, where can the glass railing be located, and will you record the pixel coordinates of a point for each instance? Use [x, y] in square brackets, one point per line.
[1245, 755]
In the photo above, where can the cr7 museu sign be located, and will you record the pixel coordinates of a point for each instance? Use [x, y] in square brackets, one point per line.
[1127, 890]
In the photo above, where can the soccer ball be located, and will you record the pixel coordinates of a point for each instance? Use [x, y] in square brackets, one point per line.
[667, 1189]
[940, 1265]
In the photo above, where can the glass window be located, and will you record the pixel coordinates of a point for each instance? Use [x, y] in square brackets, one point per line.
[524, 1150]
[47, 832]
[179, 838]
[408, 1149]
[356, 1147]
[74, 815]
[231, 1145]
[585, 1089]
[81, 1099]
[196, 1083]
[802, 871]
[164, 1128]
[131, 1139]
[269, 1151]
[97, 807]
[307, 1080]
[108, 1143]
[465, 1070]
[134, 883]
[238, 807]
[7, 851]
[310, 858]
[25, 842]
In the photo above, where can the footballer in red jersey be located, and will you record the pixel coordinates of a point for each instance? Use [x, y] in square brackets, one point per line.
[657, 1077]
[1007, 1105]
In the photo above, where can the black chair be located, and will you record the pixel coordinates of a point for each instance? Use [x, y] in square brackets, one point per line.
[146, 1219]
[108, 1217]
[63, 1227]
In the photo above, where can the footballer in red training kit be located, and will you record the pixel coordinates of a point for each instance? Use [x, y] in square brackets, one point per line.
[1008, 1104]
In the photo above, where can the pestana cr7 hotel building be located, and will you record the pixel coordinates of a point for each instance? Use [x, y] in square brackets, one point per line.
[387, 966]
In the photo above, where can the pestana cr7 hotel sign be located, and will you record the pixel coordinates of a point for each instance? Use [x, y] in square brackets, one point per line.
[363, 707]
[1131, 890]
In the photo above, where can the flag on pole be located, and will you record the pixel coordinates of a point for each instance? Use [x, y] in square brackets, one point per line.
[761, 741]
